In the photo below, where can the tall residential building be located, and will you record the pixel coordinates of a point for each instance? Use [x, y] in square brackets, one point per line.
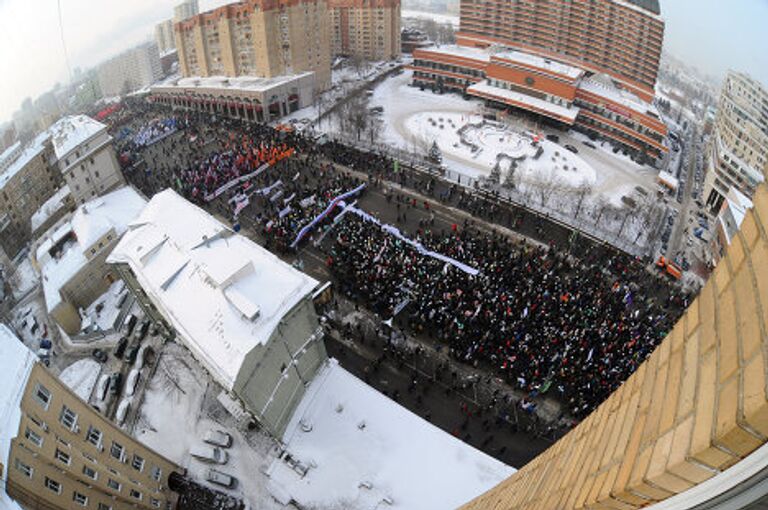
[57, 452]
[85, 157]
[265, 38]
[185, 9]
[28, 179]
[587, 65]
[620, 38]
[131, 70]
[738, 151]
[368, 29]
[164, 37]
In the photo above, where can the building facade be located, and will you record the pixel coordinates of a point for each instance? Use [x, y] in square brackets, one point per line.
[244, 314]
[550, 90]
[367, 29]
[164, 37]
[185, 9]
[131, 70]
[28, 181]
[63, 454]
[264, 38]
[86, 157]
[738, 149]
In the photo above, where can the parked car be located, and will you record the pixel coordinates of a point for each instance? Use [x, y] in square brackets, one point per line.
[590, 145]
[103, 386]
[376, 109]
[218, 438]
[121, 345]
[572, 149]
[129, 324]
[210, 454]
[220, 478]
[553, 138]
[141, 332]
[99, 355]
[130, 354]
[115, 381]
[132, 381]
[122, 410]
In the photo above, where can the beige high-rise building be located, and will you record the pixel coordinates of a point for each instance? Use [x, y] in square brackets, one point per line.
[265, 38]
[185, 9]
[28, 177]
[57, 452]
[164, 37]
[368, 29]
[130, 70]
[738, 147]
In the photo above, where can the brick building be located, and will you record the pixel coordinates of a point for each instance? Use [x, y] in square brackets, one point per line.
[368, 29]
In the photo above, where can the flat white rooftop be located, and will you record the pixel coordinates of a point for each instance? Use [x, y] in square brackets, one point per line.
[603, 86]
[16, 362]
[484, 89]
[223, 293]
[540, 62]
[455, 50]
[246, 83]
[71, 131]
[360, 448]
[28, 154]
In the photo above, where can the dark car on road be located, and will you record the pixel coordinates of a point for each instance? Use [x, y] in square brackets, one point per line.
[121, 345]
[130, 354]
[572, 149]
[99, 355]
[553, 138]
[115, 382]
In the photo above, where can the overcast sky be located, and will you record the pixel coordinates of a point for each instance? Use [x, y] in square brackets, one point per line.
[711, 34]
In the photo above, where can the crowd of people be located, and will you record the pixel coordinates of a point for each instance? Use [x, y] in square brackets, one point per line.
[547, 321]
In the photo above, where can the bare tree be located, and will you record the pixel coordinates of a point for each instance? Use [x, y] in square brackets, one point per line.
[584, 190]
[601, 207]
[356, 114]
[375, 127]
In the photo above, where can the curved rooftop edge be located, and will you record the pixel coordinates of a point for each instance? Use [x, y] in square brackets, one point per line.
[689, 425]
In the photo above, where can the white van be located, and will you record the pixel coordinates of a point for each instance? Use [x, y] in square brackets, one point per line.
[209, 454]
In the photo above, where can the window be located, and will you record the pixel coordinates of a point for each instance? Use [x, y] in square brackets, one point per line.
[42, 395]
[93, 436]
[33, 438]
[79, 499]
[62, 456]
[52, 485]
[117, 451]
[136, 494]
[114, 485]
[27, 470]
[155, 502]
[156, 473]
[90, 473]
[68, 417]
[104, 506]
[137, 463]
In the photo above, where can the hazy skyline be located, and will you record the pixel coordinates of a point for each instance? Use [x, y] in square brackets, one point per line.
[709, 34]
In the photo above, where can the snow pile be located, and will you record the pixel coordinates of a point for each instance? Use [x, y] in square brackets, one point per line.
[360, 448]
[81, 376]
[24, 278]
[50, 207]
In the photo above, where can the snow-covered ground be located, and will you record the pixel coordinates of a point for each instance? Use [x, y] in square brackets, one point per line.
[103, 311]
[175, 414]
[81, 377]
[362, 450]
[24, 278]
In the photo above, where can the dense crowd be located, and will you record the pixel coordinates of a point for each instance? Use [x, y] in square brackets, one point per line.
[545, 320]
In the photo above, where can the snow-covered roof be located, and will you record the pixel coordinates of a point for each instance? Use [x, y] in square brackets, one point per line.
[668, 180]
[71, 131]
[540, 62]
[16, 362]
[484, 89]
[246, 83]
[88, 223]
[28, 154]
[454, 50]
[7, 153]
[50, 207]
[360, 437]
[602, 85]
[223, 293]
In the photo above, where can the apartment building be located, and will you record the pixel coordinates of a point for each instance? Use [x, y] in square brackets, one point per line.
[185, 9]
[368, 29]
[164, 38]
[244, 314]
[85, 157]
[130, 70]
[29, 179]
[738, 149]
[59, 453]
[71, 255]
[263, 38]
